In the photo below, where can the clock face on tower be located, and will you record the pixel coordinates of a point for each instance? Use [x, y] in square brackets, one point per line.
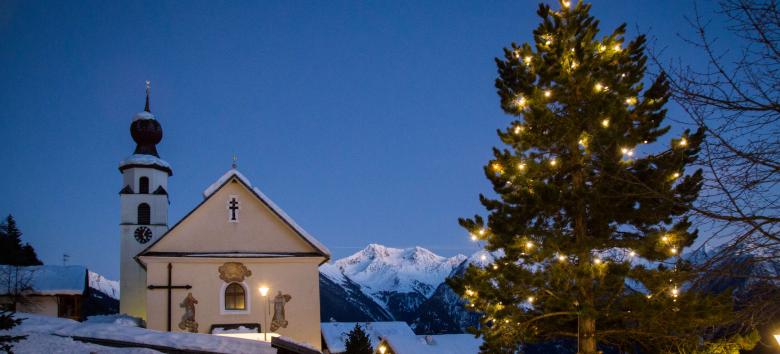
[143, 234]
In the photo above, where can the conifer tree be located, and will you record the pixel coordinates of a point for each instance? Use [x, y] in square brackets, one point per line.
[13, 251]
[358, 342]
[590, 216]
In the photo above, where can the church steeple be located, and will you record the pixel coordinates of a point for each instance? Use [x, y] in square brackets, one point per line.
[143, 207]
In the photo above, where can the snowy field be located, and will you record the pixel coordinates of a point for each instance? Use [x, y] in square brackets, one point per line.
[51, 335]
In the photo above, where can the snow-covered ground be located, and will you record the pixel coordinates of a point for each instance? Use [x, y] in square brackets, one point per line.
[37, 343]
[50, 335]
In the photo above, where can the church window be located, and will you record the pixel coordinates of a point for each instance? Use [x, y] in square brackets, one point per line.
[235, 297]
[143, 185]
[144, 214]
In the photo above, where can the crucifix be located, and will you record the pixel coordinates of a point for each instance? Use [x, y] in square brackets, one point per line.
[233, 206]
[169, 287]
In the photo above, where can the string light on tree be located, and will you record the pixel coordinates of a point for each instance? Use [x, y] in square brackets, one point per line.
[547, 93]
[520, 102]
[605, 123]
[683, 142]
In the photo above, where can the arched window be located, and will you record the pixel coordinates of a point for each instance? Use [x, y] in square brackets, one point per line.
[235, 297]
[144, 214]
[143, 185]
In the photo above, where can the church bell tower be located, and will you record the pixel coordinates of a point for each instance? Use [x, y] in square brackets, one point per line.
[143, 207]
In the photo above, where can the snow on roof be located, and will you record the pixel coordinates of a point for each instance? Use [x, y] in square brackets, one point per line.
[335, 333]
[45, 279]
[433, 344]
[143, 159]
[143, 115]
[234, 173]
[452, 343]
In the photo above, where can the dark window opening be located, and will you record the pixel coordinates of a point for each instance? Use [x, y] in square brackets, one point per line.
[143, 185]
[144, 214]
[69, 307]
[235, 297]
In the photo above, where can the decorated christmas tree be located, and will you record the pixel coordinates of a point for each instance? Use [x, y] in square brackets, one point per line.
[589, 219]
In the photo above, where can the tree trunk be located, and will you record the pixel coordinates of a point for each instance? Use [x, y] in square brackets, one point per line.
[587, 336]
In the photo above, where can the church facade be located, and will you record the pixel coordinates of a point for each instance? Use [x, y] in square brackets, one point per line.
[236, 260]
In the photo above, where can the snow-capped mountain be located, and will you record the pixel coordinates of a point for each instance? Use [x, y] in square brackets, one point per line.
[406, 284]
[384, 269]
[106, 286]
[103, 295]
[395, 280]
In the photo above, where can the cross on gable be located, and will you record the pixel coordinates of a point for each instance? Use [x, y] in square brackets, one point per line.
[233, 207]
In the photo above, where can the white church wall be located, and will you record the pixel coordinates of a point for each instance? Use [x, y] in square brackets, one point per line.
[294, 276]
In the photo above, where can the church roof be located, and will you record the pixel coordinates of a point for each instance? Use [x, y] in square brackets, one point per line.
[220, 183]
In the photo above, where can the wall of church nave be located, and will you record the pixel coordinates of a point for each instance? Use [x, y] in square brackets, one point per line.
[297, 277]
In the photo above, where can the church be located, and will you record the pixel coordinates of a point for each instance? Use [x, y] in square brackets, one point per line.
[236, 260]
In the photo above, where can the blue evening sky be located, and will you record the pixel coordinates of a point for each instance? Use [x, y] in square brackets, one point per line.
[367, 121]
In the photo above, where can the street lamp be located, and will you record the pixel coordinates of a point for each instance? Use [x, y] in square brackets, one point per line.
[777, 338]
[264, 293]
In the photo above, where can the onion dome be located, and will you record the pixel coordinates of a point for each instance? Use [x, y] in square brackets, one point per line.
[147, 133]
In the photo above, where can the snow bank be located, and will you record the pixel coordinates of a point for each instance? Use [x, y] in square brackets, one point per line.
[119, 320]
[119, 330]
[37, 343]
